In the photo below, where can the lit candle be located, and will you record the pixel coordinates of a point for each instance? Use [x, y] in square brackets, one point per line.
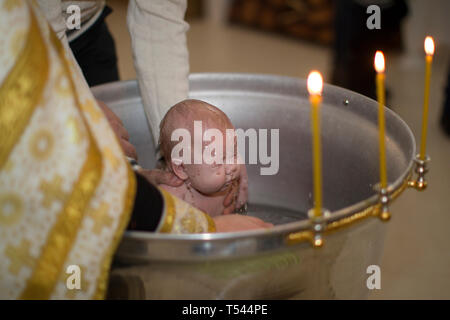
[315, 85]
[429, 50]
[379, 67]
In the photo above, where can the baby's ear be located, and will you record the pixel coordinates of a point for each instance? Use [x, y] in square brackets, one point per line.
[178, 169]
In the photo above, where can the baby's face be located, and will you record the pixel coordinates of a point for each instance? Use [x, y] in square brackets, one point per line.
[214, 176]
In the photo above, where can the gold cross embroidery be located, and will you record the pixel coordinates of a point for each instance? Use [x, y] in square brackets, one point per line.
[19, 256]
[101, 218]
[52, 191]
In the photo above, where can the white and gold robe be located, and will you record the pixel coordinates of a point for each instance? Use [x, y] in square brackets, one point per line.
[66, 189]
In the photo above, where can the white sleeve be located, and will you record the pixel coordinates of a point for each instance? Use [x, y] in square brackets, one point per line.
[52, 10]
[158, 35]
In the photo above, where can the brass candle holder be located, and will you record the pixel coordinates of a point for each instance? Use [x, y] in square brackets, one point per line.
[421, 170]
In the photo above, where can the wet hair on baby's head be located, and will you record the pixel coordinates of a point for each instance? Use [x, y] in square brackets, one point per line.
[183, 115]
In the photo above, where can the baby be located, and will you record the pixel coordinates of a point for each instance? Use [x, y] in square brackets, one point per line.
[206, 184]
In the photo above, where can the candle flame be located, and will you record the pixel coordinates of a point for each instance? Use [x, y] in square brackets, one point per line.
[315, 83]
[429, 46]
[379, 61]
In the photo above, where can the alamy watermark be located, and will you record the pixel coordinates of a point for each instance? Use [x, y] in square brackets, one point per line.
[213, 153]
[73, 20]
[374, 20]
[374, 280]
[73, 281]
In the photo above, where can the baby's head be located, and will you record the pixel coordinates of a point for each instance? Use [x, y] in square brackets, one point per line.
[207, 177]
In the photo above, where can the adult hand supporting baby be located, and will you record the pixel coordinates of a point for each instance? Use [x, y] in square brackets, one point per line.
[243, 188]
[119, 129]
[242, 193]
[155, 176]
[237, 222]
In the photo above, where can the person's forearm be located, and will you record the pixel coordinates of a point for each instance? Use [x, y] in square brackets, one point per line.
[159, 211]
[52, 9]
[158, 34]
[148, 206]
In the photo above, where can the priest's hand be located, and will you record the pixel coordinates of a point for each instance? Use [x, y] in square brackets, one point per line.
[238, 194]
[120, 131]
